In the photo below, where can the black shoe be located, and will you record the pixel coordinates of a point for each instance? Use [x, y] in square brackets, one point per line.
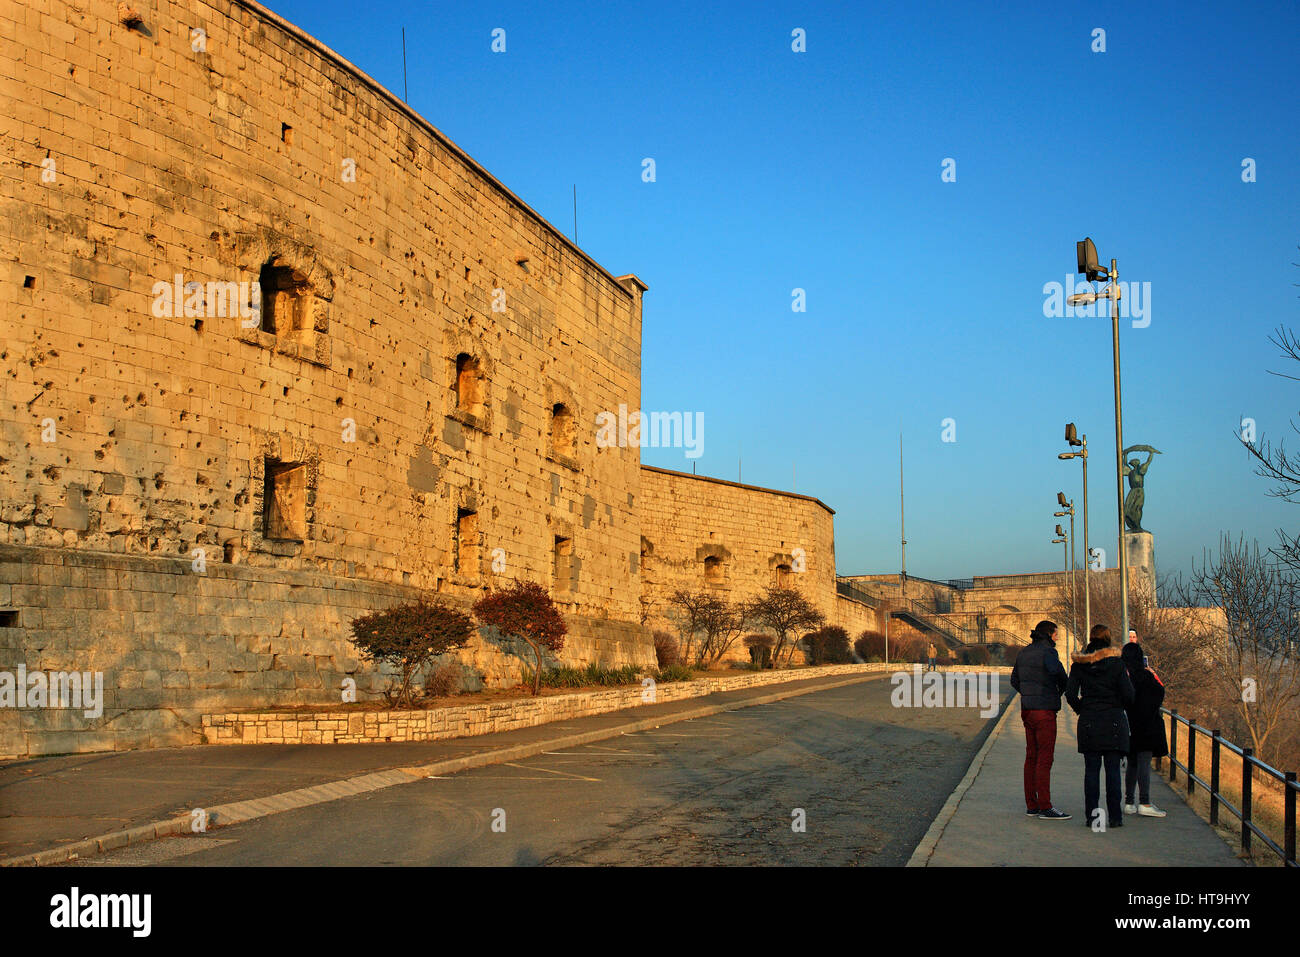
[1053, 814]
[1032, 813]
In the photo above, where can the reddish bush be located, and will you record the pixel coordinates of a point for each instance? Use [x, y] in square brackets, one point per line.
[525, 610]
[666, 651]
[828, 646]
[871, 645]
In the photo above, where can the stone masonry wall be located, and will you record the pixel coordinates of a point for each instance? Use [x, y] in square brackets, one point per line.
[173, 645]
[409, 412]
[689, 522]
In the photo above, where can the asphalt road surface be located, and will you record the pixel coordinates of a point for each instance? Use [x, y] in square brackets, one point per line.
[865, 780]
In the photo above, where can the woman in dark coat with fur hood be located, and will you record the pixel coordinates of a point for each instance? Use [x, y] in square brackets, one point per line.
[1146, 731]
[1098, 691]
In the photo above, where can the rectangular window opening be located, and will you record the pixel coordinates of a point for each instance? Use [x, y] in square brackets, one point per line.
[465, 547]
[563, 568]
[284, 501]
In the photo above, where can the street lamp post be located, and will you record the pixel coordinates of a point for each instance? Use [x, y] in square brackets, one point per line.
[1074, 602]
[1086, 257]
[1073, 438]
[1065, 543]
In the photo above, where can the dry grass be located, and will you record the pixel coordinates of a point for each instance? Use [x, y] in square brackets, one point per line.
[1267, 795]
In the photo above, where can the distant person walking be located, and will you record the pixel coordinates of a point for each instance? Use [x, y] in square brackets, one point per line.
[1098, 691]
[1146, 731]
[1040, 678]
[933, 653]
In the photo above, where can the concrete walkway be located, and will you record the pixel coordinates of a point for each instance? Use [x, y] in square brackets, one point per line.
[984, 822]
[83, 804]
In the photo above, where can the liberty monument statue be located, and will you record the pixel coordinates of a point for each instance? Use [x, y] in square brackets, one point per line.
[1136, 472]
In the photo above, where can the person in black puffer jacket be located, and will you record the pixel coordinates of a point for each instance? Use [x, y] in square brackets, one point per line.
[1098, 692]
[1146, 731]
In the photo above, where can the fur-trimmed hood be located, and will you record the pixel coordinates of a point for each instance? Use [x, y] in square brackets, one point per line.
[1092, 657]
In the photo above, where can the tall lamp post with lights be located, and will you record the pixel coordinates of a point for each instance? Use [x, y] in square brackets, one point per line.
[1072, 437]
[1068, 509]
[1086, 257]
[1063, 539]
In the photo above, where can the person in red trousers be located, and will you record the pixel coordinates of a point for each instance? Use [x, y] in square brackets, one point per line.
[1040, 678]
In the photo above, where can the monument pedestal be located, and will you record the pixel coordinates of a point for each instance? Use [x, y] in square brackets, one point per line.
[1140, 551]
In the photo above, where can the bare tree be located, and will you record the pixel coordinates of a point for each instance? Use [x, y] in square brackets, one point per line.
[1273, 462]
[1250, 634]
[786, 612]
[722, 623]
[693, 608]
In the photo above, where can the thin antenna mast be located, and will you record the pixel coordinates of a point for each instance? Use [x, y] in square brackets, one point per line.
[902, 523]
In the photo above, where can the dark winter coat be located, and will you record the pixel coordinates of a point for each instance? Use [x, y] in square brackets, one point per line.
[1099, 690]
[1146, 725]
[1039, 676]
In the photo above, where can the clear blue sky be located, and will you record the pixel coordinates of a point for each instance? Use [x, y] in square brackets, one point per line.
[821, 170]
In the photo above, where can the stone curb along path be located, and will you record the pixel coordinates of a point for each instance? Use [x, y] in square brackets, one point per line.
[241, 811]
[921, 856]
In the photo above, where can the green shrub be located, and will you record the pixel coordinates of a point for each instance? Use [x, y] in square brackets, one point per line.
[676, 673]
[593, 674]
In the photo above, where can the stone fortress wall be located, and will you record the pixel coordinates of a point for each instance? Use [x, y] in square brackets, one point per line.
[706, 533]
[194, 501]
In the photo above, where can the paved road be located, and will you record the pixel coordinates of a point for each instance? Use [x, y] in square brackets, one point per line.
[52, 802]
[719, 790]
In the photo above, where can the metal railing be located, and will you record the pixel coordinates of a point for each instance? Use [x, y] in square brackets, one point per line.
[1030, 578]
[1244, 813]
[992, 635]
[939, 622]
[850, 590]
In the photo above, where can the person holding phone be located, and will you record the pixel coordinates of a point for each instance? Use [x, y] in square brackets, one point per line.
[1146, 731]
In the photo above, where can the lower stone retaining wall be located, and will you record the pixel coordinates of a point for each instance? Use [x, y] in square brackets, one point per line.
[173, 645]
[354, 727]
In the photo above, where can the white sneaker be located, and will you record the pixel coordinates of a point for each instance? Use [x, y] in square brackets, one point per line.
[1150, 810]
[1130, 809]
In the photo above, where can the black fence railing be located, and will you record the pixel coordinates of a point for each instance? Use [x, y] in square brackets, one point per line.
[1245, 813]
[850, 590]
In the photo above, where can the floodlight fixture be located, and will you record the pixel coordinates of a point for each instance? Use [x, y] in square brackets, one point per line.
[1086, 254]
